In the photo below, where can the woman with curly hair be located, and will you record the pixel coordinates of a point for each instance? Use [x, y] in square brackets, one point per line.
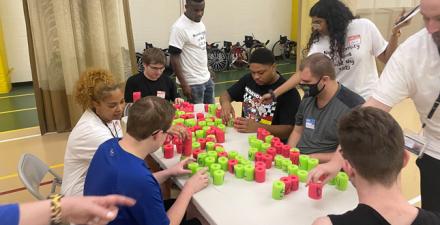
[352, 43]
[102, 99]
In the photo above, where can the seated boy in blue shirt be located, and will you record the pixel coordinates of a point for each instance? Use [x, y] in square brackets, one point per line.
[118, 168]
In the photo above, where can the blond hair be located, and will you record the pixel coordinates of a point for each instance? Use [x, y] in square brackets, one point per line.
[94, 85]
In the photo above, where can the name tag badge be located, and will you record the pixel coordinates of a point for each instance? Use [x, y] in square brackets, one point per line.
[310, 123]
[415, 143]
[161, 94]
[354, 40]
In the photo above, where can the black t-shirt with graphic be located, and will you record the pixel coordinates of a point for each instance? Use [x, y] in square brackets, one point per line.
[280, 112]
[163, 87]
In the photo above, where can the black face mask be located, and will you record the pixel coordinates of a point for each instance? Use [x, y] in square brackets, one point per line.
[311, 90]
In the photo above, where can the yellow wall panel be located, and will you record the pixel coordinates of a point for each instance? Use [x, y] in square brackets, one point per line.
[5, 84]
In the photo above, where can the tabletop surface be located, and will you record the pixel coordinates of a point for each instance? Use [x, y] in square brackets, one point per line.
[238, 201]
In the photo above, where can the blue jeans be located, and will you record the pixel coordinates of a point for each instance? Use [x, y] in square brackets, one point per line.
[203, 93]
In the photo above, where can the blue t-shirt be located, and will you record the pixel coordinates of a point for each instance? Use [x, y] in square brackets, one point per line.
[115, 171]
[9, 214]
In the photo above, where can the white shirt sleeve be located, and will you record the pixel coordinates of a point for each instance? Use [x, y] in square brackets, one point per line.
[378, 43]
[177, 37]
[395, 82]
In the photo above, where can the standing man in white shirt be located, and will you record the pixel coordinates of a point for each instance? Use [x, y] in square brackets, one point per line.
[413, 72]
[189, 58]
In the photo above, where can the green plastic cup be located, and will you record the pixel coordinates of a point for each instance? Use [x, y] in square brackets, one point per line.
[239, 171]
[279, 161]
[210, 146]
[193, 167]
[312, 163]
[303, 162]
[342, 181]
[196, 145]
[251, 137]
[249, 171]
[232, 154]
[219, 149]
[202, 123]
[223, 161]
[292, 169]
[218, 121]
[212, 154]
[278, 188]
[251, 153]
[218, 177]
[268, 139]
[200, 133]
[201, 158]
[264, 147]
[214, 167]
[302, 174]
[209, 160]
[285, 164]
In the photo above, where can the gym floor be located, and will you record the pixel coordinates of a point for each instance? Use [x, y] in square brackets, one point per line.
[19, 133]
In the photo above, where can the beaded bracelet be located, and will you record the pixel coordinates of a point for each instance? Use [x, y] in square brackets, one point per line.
[55, 209]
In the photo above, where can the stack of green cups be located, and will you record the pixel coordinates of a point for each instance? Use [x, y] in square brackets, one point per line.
[285, 164]
[214, 167]
[249, 171]
[251, 153]
[278, 188]
[279, 161]
[239, 171]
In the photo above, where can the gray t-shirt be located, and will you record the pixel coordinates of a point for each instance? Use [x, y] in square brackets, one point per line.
[320, 125]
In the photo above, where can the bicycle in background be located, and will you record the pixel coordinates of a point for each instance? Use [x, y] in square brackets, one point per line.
[284, 49]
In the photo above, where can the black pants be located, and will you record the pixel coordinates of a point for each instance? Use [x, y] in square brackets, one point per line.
[169, 202]
[429, 182]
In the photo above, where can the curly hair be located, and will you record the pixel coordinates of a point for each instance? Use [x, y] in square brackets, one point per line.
[94, 85]
[337, 16]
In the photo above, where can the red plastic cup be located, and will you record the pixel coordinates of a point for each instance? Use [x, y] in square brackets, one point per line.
[267, 158]
[231, 164]
[259, 133]
[187, 146]
[210, 132]
[136, 96]
[315, 190]
[288, 183]
[279, 147]
[224, 153]
[286, 151]
[202, 142]
[272, 151]
[260, 164]
[295, 182]
[220, 136]
[274, 140]
[258, 156]
[196, 153]
[218, 113]
[210, 139]
[260, 174]
[264, 134]
[197, 127]
[294, 157]
[206, 107]
[168, 151]
[200, 116]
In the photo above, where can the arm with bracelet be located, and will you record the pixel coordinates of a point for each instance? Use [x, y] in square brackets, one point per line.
[80, 210]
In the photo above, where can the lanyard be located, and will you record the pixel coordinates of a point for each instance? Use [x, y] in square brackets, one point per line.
[433, 109]
[115, 135]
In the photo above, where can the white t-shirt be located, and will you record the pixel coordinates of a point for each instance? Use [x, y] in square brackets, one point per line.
[414, 71]
[357, 70]
[84, 140]
[190, 37]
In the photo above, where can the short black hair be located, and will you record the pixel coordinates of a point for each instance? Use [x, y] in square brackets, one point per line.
[262, 56]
